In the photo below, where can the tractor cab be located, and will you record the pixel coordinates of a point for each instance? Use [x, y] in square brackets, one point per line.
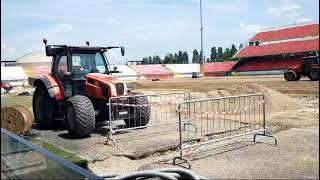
[71, 64]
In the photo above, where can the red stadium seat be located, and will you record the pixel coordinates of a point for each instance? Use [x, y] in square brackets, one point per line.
[156, 71]
[269, 64]
[217, 68]
[40, 70]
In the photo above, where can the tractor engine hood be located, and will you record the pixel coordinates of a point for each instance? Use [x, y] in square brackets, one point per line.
[113, 84]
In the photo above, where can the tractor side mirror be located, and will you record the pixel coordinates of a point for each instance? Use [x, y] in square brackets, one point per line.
[115, 68]
[122, 51]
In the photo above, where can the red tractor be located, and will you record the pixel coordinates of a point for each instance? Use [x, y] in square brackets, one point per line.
[78, 90]
[6, 86]
[309, 67]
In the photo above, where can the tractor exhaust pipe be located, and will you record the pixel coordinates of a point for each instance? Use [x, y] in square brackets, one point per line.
[45, 41]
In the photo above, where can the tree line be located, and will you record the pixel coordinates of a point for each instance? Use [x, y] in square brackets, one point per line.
[218, 54]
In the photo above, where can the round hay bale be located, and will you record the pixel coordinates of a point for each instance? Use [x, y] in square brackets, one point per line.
[17, 119]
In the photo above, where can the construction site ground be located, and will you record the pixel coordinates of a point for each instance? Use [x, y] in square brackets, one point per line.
[292, 117]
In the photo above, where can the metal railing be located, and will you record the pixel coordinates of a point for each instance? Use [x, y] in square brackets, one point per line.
[140, 111]
[210, 120]
[21, 159]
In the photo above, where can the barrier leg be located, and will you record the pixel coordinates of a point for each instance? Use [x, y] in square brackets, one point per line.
[189, 124]
[266, 135]
[183, 159]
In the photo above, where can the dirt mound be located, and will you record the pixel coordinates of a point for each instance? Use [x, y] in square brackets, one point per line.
[293, 118]
[276, 101]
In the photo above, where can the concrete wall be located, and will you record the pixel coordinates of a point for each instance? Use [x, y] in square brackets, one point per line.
[183, 70]
[126, 73]
[14, 75]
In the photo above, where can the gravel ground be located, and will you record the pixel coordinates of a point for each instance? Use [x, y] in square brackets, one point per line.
[292, 115]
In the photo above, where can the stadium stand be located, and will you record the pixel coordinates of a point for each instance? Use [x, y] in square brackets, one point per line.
[126, 73]
[183, 70]
[155, 71]
[279, 48]
[270, 64]
[287, 33]
[217, 68]
[40, 70]
[37, 58]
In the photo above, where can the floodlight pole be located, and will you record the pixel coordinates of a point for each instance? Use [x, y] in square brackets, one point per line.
[201, 29]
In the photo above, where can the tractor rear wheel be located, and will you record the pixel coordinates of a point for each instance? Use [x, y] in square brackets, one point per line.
[80, 117]
[314, 74]
[142, 111]
[44, 108]
[291, 76]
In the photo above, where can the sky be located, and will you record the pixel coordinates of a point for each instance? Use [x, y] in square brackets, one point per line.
[144, 27]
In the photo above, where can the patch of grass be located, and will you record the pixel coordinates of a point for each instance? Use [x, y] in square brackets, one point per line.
[66, 155]
[16, 100]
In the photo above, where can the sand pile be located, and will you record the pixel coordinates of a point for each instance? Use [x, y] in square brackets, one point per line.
[276, 101]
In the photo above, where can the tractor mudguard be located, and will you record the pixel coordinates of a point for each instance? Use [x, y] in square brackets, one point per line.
[50, 83]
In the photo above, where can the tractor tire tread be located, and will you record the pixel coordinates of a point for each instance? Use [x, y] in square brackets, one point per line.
[142, 112]
[46, 122]
[84, 116]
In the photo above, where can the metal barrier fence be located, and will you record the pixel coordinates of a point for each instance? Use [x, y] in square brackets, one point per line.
[139, 111]
[211, 120]
[20, 159]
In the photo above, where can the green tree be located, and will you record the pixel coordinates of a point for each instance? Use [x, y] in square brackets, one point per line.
[213, 56]
[241, 46]
[150, 60]
[144, 60]
[226, 54]
[180, 58]
[220, 54]
[233, 50]
[175, 58]
[168, 59]
[196, 57]
[185, 57]
[157, 59]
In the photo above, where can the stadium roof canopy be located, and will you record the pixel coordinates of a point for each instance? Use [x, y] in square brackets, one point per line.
[280, 48]
[303, 37]
[34, 57]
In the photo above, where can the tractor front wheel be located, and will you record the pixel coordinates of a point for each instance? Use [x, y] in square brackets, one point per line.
[80, 116]
[44, 108]
[314, 74]
[291, 76]
[141, 115]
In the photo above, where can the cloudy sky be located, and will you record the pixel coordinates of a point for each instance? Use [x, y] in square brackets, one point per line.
[144, 27]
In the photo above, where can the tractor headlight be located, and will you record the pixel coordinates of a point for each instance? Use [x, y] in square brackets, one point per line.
[125, 89]
[113, 90]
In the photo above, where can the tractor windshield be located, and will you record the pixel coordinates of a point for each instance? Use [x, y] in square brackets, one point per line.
[88, 62]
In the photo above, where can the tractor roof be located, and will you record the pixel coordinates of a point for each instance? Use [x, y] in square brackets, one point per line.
[309, 57]
[82, 48]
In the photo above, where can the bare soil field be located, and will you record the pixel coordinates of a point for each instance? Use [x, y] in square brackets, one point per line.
[277, 82]
[289, 105]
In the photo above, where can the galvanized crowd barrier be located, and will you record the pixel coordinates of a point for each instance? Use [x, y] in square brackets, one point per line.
[21, 159]
[140, 111]
[205, 121]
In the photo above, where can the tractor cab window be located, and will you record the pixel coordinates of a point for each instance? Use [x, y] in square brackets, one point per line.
[84, 63]
[62, 66]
